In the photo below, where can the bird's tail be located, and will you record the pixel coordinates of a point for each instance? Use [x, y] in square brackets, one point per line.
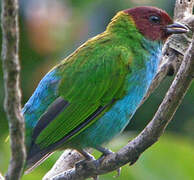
[35, 161]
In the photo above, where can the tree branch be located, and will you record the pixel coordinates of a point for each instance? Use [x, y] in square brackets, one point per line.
[173, 53]
[11, 70]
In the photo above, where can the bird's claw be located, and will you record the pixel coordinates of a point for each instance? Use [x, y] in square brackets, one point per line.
[105, 152]
[88, 157]
[83, 162]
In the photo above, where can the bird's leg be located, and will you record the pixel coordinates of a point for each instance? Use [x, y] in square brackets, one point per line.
[88, 157]
[106, 152]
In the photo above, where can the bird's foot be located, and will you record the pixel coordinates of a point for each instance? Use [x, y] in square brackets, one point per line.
[106, 152]
[82, 163]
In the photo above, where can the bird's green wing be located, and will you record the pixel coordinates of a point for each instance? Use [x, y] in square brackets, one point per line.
[92, 80]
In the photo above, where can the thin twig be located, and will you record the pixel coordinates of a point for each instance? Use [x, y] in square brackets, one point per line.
[12, 103]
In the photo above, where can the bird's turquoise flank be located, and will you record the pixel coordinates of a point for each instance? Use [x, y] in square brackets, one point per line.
[44, 95]
[116, 119]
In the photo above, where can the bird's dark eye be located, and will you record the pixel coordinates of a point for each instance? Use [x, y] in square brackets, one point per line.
[154, 19]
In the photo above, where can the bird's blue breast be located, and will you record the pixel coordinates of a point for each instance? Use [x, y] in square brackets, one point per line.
[117, 118]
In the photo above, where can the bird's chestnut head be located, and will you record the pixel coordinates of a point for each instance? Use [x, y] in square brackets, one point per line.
[154, 23]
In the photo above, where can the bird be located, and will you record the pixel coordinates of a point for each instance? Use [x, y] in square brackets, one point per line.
[90, 96]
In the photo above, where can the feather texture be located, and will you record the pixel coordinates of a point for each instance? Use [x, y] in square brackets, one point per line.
[92, 94]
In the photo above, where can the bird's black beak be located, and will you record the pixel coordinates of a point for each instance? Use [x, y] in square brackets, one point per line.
[176, 28]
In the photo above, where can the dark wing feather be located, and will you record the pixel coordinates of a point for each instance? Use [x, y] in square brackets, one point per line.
[52, 112]
[36, 154]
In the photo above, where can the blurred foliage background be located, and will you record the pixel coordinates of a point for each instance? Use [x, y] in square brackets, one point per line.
[51, 30]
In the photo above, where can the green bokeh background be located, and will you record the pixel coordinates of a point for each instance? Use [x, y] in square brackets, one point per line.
[44, 42]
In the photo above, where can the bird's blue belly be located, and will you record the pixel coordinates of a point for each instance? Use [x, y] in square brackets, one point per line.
[117, 118]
